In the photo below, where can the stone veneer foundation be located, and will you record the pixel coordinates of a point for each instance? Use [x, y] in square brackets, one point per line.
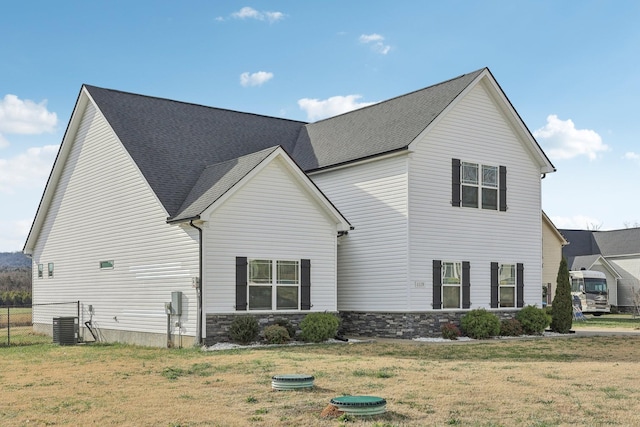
[403, 325]
[355, 323]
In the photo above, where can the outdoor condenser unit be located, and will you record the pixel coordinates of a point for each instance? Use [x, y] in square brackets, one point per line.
[65, 330]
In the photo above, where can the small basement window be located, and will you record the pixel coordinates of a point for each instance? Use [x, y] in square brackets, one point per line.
[106, 265]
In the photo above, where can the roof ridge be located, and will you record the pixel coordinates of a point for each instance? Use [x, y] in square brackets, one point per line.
[403, 95]
[193, 104]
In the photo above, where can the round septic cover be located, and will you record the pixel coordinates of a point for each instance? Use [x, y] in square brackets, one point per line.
[291, 381]
[293, 378]
[356, 401]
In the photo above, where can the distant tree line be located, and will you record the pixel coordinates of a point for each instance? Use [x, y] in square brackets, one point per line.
[15, 286]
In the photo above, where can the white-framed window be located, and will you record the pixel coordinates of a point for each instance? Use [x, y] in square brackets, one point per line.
[451, 284]
[479, 186]
[40, 271]
[274, 284]
[507, 285]
[50, 269]
[107, 265]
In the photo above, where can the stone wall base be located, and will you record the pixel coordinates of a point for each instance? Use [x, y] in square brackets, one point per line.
[403, 325]
[217, 329]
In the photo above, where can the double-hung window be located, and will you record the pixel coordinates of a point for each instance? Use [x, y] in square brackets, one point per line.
[507, 285]
[479, 186]
[451, 284]
[475, 185]
[274, 284]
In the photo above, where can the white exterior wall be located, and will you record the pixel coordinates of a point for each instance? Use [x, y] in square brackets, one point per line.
[270, 217]
[629, 269]
[103, 209]
[474, 130]
[372, 259]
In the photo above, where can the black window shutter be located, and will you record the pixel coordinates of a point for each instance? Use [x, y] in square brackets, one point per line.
[241, 283]
[466, 284]
[455, 182]
[494, 285]
[437, 284]
[502, 186]
[305, 284]
[520, 284]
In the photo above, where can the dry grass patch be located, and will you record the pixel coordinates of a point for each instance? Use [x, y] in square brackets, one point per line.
[537, 382]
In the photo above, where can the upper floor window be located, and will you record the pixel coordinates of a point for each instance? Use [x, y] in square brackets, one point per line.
[479, 186]
[40, 271]
[50, 266]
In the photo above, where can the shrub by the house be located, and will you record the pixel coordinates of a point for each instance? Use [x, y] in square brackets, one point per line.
[276, 334]
[534, 320]
[285, 323]
[244, 329]
[318, 327]
[562, 307]
[450, 331]
[480, 324]
[510, 328]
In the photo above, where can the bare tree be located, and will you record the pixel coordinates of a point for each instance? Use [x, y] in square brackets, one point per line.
[635, 298]
[592, 226]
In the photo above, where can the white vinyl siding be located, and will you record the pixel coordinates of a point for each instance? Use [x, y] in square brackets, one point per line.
[271, 217]
[372, 262]
[474, 130]
[103, 209]
[629, 269]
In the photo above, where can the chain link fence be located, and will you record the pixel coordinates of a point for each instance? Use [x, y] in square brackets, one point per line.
[33, 324]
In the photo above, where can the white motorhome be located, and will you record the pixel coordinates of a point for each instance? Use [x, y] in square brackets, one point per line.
[590, 292]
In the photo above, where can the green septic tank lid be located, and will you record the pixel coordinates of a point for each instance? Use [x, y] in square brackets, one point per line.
[355, 401]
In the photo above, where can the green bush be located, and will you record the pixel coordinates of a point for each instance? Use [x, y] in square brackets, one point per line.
[244, 329]
[285, 323]
[319, 327]
[275, 334]
[562, 306]
[450, 331]
[534, 320]
[480, 324]
[510, 328]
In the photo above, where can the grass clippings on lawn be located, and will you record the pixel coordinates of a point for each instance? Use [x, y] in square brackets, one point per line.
[531, 382]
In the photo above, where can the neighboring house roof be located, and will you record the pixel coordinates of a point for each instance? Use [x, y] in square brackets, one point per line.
[586, 262]
[607, 243]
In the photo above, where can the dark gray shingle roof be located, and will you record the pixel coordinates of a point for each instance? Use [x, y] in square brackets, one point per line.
[174, 142]
[216, 180]
[606, 243]
[380, 128]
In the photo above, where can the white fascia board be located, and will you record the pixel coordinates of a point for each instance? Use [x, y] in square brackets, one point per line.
[300, 177]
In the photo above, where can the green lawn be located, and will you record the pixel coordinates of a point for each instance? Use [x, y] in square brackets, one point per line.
[625, 321]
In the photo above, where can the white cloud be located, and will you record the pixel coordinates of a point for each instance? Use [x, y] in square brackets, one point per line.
[629, 156]
[251, 13]
[576, 222]
[562, 140]
[319, 109]
[13, 234]
[27, 170]
[25, 116]
[376, 43]
[255, 79]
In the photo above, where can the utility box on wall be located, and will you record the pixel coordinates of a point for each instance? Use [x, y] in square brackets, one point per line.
[176, 303]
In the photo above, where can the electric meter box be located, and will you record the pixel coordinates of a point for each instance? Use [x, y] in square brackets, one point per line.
[176, 303]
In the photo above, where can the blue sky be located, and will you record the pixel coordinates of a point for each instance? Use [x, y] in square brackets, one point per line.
[570, 68]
